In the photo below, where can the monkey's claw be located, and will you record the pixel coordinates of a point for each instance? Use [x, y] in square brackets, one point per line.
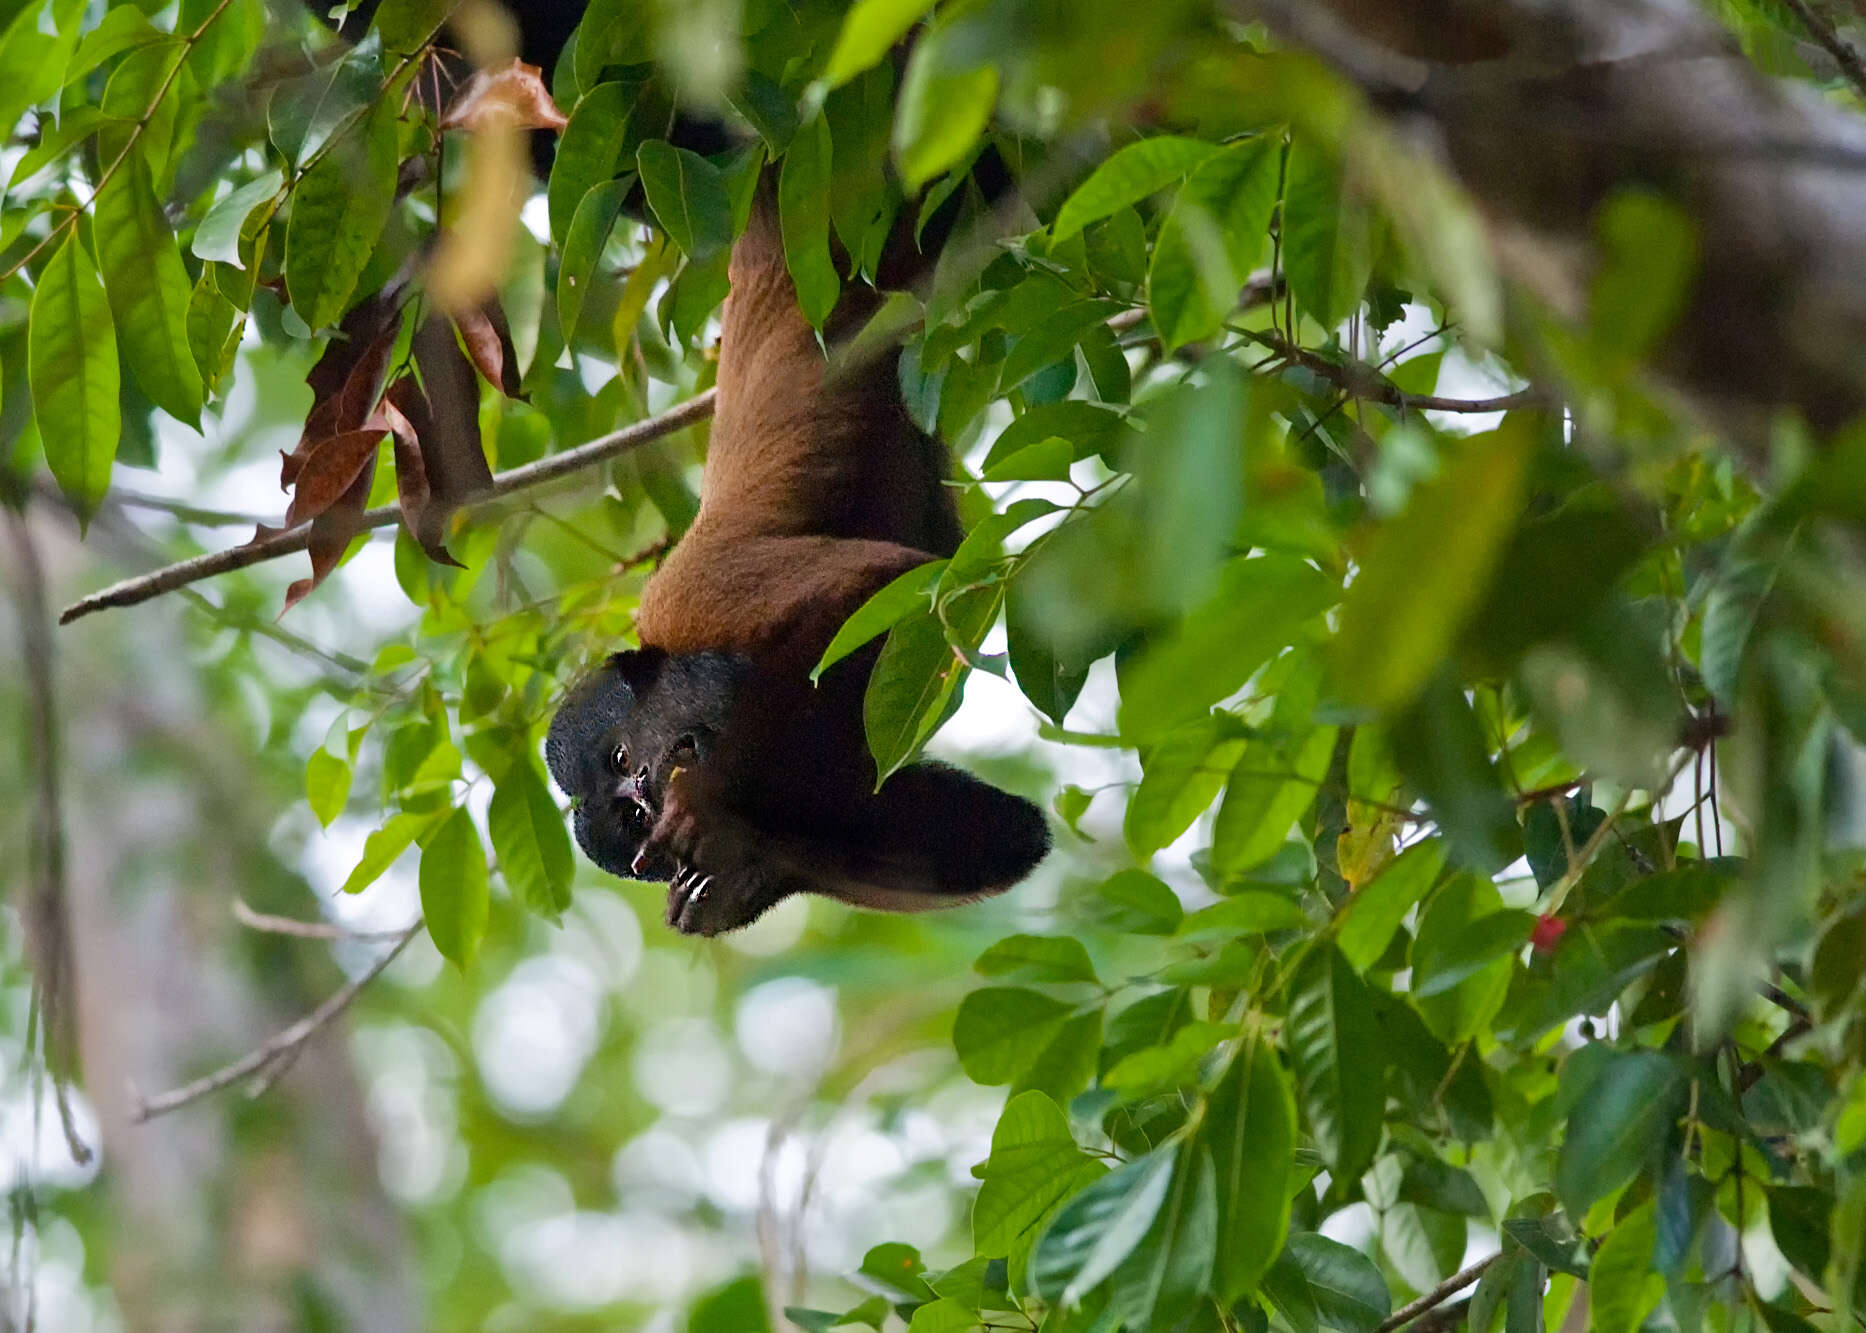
[687, 901]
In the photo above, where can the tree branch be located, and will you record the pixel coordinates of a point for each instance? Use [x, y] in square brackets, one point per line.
[1832, 42]
[1545, 110]
[266, 1062]
[546, 470]
[306, 930]
[1443, 1292]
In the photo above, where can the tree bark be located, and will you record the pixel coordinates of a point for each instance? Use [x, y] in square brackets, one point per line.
[1544, 109]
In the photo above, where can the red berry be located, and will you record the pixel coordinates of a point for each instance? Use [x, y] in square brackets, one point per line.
[1547, 933]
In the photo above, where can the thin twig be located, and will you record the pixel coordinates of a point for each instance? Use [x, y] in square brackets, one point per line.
[250, 624]
[1443, 1292]
[1832, 42]
[188, 43]
[267, 1060]
[306, 930]
[181, 509]
[44, 913]
[1362, 381]
[555, 468]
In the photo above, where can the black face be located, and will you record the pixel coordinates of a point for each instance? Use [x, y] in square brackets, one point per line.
[618, 734]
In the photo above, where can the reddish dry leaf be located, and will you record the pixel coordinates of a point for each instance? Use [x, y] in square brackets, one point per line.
[510, 96]
[488, 340]
[329, 471]
[425, 521]
[346, 380]
[332, 532]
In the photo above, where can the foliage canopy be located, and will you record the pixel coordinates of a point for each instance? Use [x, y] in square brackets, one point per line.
[1484, 876]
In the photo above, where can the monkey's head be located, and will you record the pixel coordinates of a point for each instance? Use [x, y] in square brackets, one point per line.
[618, 734]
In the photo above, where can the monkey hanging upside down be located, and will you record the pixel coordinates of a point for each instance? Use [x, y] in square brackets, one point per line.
[706, 757]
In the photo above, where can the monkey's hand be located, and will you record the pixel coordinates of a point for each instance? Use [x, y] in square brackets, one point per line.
[722, 882]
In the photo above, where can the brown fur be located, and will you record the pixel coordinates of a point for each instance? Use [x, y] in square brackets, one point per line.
[818, 491]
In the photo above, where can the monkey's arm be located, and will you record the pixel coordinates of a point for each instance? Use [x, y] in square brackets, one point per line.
[931, 837]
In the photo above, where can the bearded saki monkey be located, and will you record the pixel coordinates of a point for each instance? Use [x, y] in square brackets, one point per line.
[706, 757]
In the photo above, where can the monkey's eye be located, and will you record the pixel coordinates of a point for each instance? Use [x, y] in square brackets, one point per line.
[686, 750]
[618, 760]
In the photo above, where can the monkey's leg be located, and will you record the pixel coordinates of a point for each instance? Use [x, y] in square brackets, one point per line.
[934, 836]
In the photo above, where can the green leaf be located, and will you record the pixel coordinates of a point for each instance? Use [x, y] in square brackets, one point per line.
[917, 675]
[583, 249]
[1261, 606]
[589, 152]
[1339, 1284]
[1369, 918]
[1250, 1123]
[1211, 240]
[35, 49]
[1130, 175]
[1618, 1122]
[869, 31]
[214, 328]
[688, 196]
[1440, 745]
[1164, 1277]
[1034, 1165]
[1551, 1238]
[893, 1270]
[1461, 957]
[1088, 427]
[1432, 1184]
[1262, 801]
[1005, 1034]
[148, 290]
[339, 208]
[1099, 1228]
[943, 1316]
[1338, 1057]
[944, 106]
[1251, 913]
[1800, 1219]
[768, 109]
[1462, 933]
[1047, 460]
[405, 25]
[218, 236]
[1327, 238]
[453, 888]
[1622, 1286]
[1180, 777]
[1165, 1066]
[327, 785]
[121, 29]
[910, 592]
[529, 840]
[71, 351]
[1427, 568]
[1053, 958]
[1138, 903]
[385, 845]
[803, 215]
